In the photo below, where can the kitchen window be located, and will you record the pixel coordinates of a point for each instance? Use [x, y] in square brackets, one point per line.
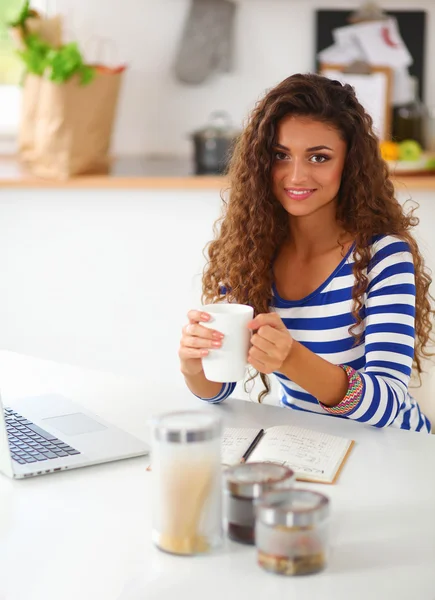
[11, 72]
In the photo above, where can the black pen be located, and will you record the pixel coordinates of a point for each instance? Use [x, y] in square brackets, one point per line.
[252, 446]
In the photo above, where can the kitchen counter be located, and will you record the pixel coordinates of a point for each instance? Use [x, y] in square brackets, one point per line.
[132, 172]
[139, 172]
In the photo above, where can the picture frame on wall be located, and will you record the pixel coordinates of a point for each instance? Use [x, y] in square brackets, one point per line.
[373, 89]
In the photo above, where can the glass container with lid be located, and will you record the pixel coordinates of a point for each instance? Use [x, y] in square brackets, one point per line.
[187, 474]
[245, 483]
[409, 120]
[291, 532]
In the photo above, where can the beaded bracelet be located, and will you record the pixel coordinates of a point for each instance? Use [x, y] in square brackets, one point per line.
[353, 395]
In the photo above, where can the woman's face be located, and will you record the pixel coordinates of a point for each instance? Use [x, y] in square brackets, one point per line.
[308, 162]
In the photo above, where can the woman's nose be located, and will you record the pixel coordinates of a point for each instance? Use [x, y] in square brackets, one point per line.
[297, 172]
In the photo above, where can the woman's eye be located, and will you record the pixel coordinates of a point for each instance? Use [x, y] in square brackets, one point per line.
[319, 158]
[280, 156]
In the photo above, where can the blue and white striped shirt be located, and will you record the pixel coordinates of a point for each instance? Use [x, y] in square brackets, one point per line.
[384, 355]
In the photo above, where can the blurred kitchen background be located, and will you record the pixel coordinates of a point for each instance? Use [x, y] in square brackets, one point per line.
[172, 85]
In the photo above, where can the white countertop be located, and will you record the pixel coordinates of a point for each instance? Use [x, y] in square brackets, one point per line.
[86, 534]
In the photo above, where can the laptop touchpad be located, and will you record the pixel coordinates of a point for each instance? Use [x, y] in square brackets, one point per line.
[75, 424]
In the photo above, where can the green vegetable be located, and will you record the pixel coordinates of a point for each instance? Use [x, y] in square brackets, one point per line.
[66, 61]
[22, 16]
[87, 74]
[39, 57]
[60, 63]
[35, 55]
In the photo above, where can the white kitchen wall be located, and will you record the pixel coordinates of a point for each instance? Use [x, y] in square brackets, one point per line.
[274, 39]
[101, 278]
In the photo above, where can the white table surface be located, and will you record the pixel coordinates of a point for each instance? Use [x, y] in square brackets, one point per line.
[86, 534]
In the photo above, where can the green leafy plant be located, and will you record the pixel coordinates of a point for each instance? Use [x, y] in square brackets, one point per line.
[35, 55]
[22, 16]
[66, 61]
[40, 58]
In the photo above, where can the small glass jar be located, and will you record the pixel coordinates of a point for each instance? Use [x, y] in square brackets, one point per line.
[244, 484]
[292, 532]
[409, 119]
[187, 474]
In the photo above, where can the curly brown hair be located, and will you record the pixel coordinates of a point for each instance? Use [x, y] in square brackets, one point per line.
[254, 224]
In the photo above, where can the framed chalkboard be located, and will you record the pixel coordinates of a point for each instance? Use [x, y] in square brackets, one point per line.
[412, 26]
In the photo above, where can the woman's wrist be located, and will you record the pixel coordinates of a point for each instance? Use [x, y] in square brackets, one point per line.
[290, 358]
[191, 368]
[286, 365]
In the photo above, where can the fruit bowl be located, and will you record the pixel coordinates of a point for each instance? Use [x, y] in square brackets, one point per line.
[407, 158]
[424, 164]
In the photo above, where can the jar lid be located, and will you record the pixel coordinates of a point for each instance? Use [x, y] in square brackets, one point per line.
[292, 508]
[250, 480]
[186, 426]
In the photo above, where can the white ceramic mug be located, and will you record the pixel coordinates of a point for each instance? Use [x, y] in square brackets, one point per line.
[228, 363]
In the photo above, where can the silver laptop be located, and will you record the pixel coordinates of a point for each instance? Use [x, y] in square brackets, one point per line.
[45, 434]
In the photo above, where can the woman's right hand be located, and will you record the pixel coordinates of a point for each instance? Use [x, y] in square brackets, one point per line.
[196, 341]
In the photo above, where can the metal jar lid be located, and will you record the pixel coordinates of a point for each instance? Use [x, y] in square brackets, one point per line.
[250, 480]
[292, 508]
[183, 427]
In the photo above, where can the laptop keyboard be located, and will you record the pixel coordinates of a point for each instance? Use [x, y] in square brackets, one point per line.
[29, 443]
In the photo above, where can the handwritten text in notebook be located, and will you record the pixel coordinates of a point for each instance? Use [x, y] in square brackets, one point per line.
[313, 455]
[235, 442]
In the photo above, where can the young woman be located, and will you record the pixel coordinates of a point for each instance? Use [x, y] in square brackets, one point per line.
[314, 239]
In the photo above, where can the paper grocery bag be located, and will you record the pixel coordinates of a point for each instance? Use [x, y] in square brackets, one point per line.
[29, 108]
[50, 31]
[73, 126]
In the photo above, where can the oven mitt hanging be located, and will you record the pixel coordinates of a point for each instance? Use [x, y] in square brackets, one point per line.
[207, 44]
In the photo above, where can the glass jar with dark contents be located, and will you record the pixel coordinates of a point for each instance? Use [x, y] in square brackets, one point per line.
[291, 532]
[244, 484]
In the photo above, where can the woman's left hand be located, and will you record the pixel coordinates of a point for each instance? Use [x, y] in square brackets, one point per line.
[271, 344]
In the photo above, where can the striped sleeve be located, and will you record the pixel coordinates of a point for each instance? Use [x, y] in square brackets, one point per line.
[389, 334]
[226, 390]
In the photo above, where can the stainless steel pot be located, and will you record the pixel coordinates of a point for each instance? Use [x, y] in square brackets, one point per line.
[213, 144]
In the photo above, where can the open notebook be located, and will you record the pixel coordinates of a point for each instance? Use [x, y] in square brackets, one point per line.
[314, 456]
